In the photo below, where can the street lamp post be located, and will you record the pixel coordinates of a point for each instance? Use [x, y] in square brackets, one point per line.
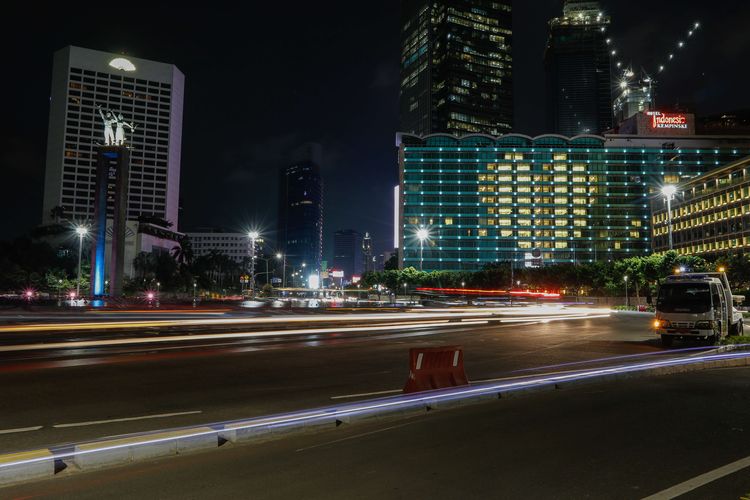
[282, 257]
[81, 231]
[669, 191]
[422, 234]
[627, 299]
[253, 235]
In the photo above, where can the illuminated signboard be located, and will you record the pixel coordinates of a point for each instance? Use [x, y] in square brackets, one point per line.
[337, 274]
[668, 120]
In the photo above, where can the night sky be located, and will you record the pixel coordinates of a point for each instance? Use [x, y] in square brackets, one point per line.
[263, 78]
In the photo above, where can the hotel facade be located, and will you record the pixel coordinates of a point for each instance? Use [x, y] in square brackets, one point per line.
[540, 200]
[710, 213]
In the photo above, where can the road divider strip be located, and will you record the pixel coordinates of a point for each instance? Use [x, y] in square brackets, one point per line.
[38, 464]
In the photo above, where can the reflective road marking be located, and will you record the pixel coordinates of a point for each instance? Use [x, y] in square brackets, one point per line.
[128, 419]
[702, 480]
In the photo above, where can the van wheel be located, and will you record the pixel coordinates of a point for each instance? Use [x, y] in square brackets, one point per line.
[666, 340]
[739, 329]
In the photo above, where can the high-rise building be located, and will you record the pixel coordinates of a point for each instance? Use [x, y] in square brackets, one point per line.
[577, 63]
[347, 252]
[367, 257]
[300, 230]
[456, 67]
[547, 199]
[149, 95]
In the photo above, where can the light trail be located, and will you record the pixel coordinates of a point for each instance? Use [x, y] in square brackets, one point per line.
[369, 407]
[279, 333]
[618, 358]
[337, 318]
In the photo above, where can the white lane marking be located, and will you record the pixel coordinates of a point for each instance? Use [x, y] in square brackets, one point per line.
[127, 419]
[702, 480]
[353, 437]
[21, 429]
[376, 393]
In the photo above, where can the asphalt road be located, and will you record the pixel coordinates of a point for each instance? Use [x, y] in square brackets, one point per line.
[69, 395]
[626, 440]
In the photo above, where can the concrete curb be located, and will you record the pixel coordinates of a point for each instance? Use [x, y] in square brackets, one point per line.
[40, 464]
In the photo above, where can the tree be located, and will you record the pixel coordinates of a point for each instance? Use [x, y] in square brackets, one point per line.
[392, 263]
[57, 213]
[183, 252]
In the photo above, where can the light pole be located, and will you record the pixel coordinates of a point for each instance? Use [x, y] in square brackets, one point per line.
[253, 235]
[282, 257]
[422, 234]
[627, 299]
[195, 285]
[81, 231]
[669, 191]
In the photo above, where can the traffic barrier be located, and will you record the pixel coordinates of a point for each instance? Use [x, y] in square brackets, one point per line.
[26, 466]
[435, 368]
[132, 449]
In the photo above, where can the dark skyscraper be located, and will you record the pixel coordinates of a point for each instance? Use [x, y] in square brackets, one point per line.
[577, 62]
[456, 67]
[347, 252]
[300, 234]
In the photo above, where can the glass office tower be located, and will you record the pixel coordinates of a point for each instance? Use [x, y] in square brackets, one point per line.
[456, 67]
[577, 64]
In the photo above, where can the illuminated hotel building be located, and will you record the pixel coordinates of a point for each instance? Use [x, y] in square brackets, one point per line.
[710, 213]
[547, 199]
[148, 94]
[456, 67]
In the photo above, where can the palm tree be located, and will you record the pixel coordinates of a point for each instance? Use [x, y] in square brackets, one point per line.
[144, 263]
[57, 213]
[183, 252]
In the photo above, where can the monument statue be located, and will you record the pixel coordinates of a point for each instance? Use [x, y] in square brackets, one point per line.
[108, 119]
[120, 130]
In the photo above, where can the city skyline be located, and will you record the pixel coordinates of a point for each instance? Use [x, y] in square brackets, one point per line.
[242, 164]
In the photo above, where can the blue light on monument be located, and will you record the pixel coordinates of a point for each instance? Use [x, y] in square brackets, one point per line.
[99, 268]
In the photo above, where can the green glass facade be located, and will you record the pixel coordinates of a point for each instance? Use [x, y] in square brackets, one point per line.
[548, 199]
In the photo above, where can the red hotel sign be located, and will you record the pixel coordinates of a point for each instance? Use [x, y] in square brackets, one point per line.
[668, 120]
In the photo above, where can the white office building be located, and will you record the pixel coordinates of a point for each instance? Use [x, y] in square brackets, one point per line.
[236, 246]
[149, 95]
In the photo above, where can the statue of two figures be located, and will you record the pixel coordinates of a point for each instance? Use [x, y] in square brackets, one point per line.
[114, 127]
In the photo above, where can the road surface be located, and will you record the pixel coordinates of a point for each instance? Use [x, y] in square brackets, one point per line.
[686, 433]
[69, 395]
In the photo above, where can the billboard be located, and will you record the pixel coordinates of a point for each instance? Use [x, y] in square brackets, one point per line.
[661, 120]
[658, 123]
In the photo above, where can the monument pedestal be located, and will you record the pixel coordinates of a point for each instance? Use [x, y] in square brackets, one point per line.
[110, 202]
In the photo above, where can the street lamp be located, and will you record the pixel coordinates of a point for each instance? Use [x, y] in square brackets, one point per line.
[627, 299]
[253, 235]
[81, 231]
[282, 257]
[669, 191]
[422, 234]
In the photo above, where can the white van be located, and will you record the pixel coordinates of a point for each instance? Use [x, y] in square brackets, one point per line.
[696, 306]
